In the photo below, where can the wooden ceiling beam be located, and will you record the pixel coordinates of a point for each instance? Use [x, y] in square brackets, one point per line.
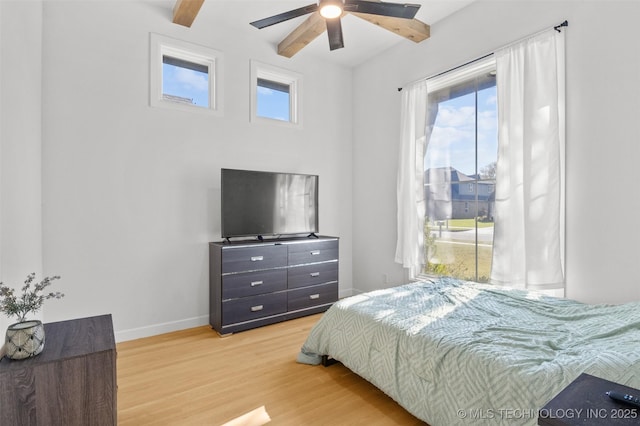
[411, 29]
[185, 11]
[304, 34]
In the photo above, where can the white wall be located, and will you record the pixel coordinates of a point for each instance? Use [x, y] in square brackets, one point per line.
[603, 106]
[20, 144]
[131, 193]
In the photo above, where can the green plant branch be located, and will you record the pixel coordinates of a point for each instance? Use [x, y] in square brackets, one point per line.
[31, 299]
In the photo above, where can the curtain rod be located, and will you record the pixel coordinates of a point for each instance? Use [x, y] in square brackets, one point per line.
[558, 28]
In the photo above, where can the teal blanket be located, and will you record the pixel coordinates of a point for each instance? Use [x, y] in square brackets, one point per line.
[454, 352]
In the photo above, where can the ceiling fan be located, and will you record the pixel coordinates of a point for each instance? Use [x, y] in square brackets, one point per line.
[326, 14]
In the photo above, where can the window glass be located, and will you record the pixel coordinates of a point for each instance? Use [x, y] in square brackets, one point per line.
[273, 100]
[185, 82]
[459, 167]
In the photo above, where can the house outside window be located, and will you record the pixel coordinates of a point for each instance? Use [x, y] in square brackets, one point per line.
[459, 172]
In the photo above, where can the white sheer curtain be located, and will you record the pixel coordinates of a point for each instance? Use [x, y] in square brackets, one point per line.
[410, 184]
[528, 248]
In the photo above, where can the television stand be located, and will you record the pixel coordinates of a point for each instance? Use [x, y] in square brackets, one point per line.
[312, 235]
[254, 283]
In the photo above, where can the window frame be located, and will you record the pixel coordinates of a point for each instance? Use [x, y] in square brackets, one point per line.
[279, 76]
[161, 46]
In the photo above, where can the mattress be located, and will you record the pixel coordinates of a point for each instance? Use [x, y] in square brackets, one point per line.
[455, 352]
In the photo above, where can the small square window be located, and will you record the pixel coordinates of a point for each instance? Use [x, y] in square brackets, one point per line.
[273, 100]
[275, 95]
[184, 75]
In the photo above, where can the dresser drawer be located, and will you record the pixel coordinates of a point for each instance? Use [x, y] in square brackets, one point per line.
[239, 259]
[302, 253]
[315, 273]
[253, 307]
[246, 284]
[307, 297]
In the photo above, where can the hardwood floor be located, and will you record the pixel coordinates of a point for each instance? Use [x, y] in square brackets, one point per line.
[195, 377]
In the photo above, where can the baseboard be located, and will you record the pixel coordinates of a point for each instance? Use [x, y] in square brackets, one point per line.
[155, 329]
[345, 293]
[168, 327]
[355, 291]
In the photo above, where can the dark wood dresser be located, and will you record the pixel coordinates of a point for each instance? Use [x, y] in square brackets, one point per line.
[585, 402]
[72, 382]
[253, 283]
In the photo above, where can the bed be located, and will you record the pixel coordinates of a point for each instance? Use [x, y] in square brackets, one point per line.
[455, 352]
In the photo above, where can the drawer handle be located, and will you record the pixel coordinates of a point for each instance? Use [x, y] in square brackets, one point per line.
[256, 283]
[315, 274]
[257, 308]
[257, 258]
[314, 296]
[315, 252]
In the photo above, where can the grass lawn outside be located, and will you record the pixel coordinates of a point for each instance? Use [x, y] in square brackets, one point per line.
[462, 224]
[454, 254]
[459, 261]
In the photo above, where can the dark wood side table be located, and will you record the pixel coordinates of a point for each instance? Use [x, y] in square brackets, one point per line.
[584, 402]
[72, 382]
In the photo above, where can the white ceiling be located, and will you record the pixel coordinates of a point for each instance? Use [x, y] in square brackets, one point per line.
[362, 40]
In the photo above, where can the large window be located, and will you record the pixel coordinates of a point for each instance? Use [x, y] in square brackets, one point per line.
[459, 172]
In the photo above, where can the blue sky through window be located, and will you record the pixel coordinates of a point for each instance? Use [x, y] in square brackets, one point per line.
[452, 141]
[186, 83]
[272, 103]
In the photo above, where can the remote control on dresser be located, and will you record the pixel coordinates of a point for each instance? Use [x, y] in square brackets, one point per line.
[625, 397]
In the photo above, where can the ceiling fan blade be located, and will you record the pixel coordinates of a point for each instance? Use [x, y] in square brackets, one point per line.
[281, 17]
[395, 10]
[411, 29]
[304, 34]
[334, 31]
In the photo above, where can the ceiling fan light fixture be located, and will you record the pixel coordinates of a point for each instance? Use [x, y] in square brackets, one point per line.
[326, 16]
[330, 9]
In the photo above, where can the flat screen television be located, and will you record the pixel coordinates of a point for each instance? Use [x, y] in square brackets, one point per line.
[257, 203]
